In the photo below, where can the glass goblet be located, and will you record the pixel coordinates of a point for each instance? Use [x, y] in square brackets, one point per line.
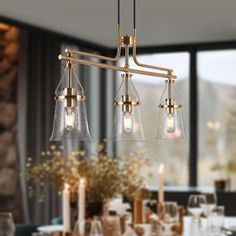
[195, 203]
[211, 203]
[170, 216]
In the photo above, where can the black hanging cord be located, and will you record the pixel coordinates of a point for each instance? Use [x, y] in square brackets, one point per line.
[118, 15]
[134, 13]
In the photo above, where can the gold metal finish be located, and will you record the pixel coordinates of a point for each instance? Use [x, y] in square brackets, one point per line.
[118, 68]
[127, 103]
[145, 65]
[127, 40]
[70, 97]
[170, 104]
[121, 103]
[77, 97]
[169, 81]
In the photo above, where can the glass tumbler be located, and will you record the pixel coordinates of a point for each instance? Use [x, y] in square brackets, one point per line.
[216, 220]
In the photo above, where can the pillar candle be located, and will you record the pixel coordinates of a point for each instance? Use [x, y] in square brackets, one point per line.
[82, 205]
[66, 208]
[161, 184]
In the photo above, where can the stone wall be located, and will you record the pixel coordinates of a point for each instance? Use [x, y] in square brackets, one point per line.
[10, 193]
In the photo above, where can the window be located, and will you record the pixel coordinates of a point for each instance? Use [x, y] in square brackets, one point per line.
[171, 152]
[216, 116]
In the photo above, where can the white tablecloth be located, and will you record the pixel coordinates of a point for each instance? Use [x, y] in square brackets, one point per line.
[229, 221]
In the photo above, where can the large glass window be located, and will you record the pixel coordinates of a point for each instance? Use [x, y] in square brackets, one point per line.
[171, 152]
[217, 116]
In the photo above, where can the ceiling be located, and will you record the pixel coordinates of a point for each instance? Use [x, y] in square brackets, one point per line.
[159, 22]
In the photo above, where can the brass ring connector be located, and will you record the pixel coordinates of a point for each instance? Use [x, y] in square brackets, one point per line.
[77, 97]
[170, 106]
[120, 103]
[127, 40]
[168, 81]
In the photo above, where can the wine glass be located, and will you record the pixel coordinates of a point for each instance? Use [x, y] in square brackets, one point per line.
[170, 217]
[195, 203]
[211, 202]
[7, 227]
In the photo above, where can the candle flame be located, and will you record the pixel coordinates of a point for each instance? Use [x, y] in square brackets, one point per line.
[66, 186]
[161, 168]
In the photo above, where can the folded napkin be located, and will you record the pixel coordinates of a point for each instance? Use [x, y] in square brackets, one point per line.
[119, 207]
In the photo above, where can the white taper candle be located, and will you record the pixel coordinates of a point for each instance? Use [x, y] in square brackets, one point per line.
[161, 183]
[66, 208]
[82, 205]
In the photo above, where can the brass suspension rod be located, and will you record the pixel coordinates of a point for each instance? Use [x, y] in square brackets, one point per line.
[145, 65]
[122, 41]
[117, 68]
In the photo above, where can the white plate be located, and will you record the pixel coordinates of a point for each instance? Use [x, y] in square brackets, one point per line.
[50, 228]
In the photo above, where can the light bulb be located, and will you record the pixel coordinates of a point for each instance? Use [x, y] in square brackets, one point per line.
[69, 118]
[127, 121]
[170, 123]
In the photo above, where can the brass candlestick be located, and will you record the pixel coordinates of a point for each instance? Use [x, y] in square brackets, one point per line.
[138, 209]
[181, 220]
[160, 210]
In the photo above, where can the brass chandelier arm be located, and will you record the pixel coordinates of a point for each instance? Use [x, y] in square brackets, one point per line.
[146, 65]
[117, 68]
[87, 54]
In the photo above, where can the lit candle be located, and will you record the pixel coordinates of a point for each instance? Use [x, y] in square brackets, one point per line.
[66, 208]
[82, 204]
[161, 183]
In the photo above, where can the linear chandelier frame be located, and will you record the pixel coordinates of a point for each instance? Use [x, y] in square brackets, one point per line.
[70, 119]
[127, 41]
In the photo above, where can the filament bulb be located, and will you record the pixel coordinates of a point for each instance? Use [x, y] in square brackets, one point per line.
[127, 121]
[170, 123]
[69, 118]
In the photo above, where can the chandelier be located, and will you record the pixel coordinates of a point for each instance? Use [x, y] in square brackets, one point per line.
[70, 118]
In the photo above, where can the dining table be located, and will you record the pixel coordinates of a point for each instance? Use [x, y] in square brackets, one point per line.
[229, 222]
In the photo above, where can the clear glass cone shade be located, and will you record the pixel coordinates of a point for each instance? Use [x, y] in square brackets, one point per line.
[70, 122]
[170, 125]
[127, 125]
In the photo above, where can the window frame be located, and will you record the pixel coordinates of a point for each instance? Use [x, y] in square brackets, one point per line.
[192, 49]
